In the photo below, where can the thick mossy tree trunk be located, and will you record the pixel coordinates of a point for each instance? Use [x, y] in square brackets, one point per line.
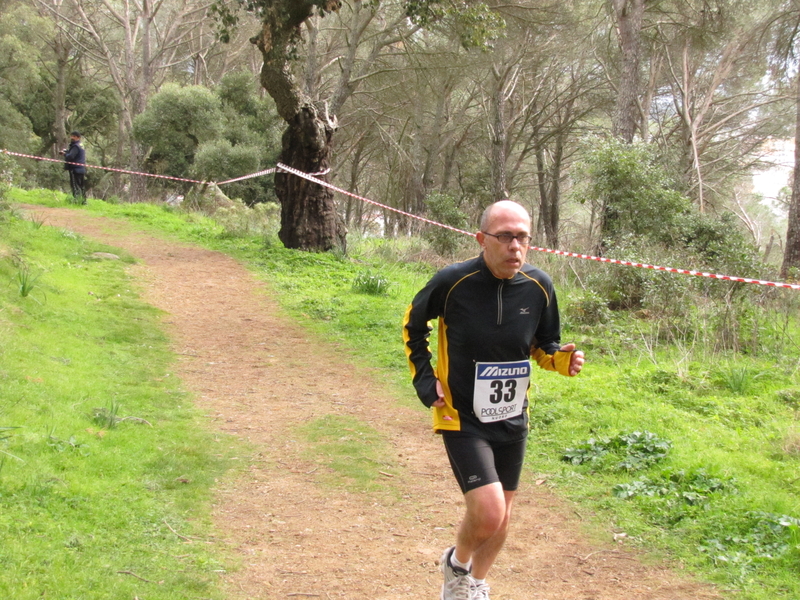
[308, 210]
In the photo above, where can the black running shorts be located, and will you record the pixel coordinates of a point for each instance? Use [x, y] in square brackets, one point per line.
[477, 462]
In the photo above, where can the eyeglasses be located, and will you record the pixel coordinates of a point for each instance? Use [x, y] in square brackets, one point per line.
[505, 238]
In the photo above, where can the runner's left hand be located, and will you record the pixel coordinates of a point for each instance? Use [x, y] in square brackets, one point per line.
[576, 360]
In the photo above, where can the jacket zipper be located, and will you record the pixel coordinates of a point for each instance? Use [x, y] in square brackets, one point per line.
[500, 303]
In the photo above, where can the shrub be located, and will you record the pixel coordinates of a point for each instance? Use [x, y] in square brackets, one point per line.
[633, 194]
[587, 308]
[174, 124]
[634, 451]
[219, 160]
[370, 283]
[240, 220]
[444, 208]
[8, 172]
[644, 219]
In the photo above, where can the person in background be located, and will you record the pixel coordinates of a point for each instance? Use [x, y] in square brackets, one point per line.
[495, 312]
[75, 164]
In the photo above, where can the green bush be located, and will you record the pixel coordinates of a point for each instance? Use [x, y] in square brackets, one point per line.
[627, 288]
[587, 308]
[218, 160]
[444, 209]
[633, 193]
[174, 124]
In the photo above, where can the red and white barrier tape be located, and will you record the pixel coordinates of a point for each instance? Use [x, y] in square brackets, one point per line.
[266, 172]
[310, 177]
[243, 177]
[628, 263]
[313, 177]
[105, 168]
[790, 286]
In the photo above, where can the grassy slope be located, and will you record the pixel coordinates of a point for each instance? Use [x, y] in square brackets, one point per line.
[84, 503]
[723, 501]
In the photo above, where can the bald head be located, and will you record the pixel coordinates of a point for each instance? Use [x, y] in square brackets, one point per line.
[501, 206]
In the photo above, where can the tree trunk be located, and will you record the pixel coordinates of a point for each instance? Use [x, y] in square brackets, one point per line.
[60, 96]
[554, 220]
[791, 255]
[541, 181]
[499, 136]
[308, 210]
[550, 191]
[629, 15]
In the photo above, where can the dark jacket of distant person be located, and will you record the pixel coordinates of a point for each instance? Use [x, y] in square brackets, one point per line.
[75, 154]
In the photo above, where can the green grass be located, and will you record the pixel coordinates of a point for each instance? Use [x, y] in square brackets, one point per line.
[350, 454]
[723, 499]
[731, 536]
[91, 508]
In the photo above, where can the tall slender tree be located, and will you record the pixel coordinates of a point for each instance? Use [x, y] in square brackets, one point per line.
[628, 19]
[786, 27]
[714, 80]
[791, 254]
[137, 44]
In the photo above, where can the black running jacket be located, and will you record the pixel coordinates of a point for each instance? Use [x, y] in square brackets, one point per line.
[482, 319]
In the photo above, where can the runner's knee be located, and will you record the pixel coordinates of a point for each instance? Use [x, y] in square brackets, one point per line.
[487, 508]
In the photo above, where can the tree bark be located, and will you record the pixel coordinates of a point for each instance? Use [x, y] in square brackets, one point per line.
[308, 210]
[629, 15]
[791, 255]
[499, 136]
[61, 50]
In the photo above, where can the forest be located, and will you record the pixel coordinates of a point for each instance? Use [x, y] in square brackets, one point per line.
[631, 130]
[627, 127]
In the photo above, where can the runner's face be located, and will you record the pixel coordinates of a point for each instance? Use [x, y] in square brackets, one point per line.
[505, 260]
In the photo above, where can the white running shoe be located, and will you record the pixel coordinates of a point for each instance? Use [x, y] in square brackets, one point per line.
[457, 582]
[480, 590]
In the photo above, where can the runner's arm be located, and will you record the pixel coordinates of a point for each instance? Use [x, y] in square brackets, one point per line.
[416, 332]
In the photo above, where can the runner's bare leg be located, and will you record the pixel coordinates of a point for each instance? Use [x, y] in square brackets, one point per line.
[484, 529]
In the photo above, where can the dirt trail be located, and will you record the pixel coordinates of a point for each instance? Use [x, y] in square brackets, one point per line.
[258, 375]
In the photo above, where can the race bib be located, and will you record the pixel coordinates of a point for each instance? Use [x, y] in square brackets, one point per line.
[500, 389]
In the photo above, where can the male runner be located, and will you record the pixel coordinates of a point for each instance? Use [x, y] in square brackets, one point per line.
[495, 312]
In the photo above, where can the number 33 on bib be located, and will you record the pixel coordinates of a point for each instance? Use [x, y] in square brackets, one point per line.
[500, 389]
